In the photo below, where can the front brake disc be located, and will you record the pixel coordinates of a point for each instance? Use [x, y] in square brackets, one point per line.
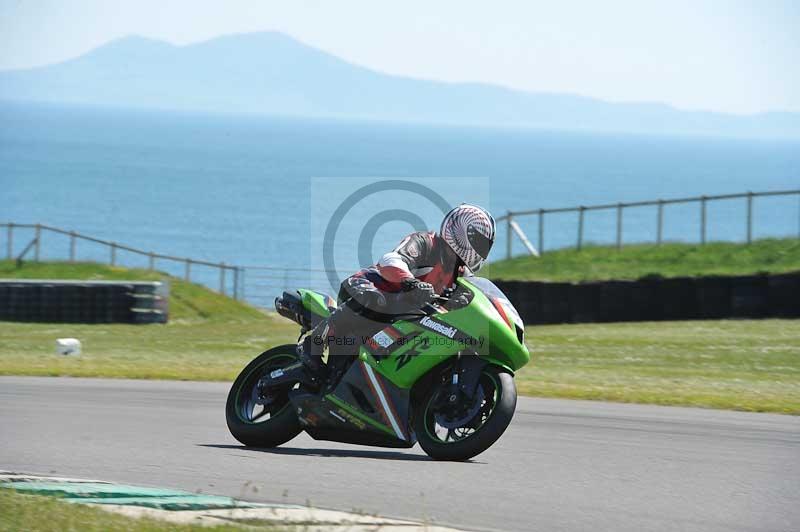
[462, 419]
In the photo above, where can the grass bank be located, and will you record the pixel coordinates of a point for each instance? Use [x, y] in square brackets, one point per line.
[737, 364]
[208, 336]
[188, 301]
[34, 513]
[667, 260]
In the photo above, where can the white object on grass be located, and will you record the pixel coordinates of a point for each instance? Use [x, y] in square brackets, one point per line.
[68, 346]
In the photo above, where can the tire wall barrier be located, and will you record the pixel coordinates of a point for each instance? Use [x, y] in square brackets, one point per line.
[84, 301]
[654, 299]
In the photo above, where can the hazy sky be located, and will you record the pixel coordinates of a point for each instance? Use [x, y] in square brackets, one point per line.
[733, 56]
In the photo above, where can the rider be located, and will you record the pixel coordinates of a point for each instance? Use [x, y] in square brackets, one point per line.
[421, 267]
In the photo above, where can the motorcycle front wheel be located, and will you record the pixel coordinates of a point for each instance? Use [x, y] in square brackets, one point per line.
[259, 419]
[457, 432]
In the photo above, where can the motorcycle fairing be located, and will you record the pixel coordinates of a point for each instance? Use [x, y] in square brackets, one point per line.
[417, 347]
[318, 303]
[364, 408]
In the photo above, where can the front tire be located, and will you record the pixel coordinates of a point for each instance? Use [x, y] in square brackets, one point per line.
[445, 438]
[253, 423]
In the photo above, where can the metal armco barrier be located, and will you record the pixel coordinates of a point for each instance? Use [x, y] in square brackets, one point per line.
[656, 299]
[57, 301]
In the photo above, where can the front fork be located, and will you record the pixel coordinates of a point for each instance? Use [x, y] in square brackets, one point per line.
[464, 377]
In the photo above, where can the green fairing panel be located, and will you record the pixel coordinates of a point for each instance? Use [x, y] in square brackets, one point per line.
[482, 320]
[316, 302]
[491, 336]
[414, 359]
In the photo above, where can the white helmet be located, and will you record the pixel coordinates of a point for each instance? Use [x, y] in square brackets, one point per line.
[469, 231]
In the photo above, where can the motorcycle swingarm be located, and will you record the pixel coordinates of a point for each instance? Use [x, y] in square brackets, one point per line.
[290, 374]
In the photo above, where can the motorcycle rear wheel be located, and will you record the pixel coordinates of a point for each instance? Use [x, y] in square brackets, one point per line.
[252, 422]
[444, 438]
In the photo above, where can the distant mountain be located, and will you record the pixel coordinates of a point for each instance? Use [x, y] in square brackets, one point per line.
[271, 73]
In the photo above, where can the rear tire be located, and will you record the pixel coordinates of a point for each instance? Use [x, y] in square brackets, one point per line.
[500, 398]
[269, 426]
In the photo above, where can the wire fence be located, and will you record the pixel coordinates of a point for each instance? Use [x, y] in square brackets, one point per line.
[260, 285]
[514, 228]
[33, 236]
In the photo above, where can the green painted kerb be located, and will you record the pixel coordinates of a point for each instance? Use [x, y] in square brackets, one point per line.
[121, 494]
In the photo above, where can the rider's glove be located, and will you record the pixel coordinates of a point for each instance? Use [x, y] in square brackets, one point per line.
[418, 292]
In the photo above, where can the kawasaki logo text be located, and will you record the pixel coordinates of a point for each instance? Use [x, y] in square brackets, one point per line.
[441, 328]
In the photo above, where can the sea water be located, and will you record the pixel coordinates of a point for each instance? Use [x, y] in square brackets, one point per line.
[240, 189]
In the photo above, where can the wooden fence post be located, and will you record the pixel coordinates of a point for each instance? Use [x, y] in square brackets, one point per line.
[113, 254]
[188, 271]
[749, 217]
[72, 246]
[581, 209]
[703, 201]
[151, 261]
[660, 222]
[222, 278]
[541, 231]
[37, 248]
[619, 225]
[10, 242]
[508, 235]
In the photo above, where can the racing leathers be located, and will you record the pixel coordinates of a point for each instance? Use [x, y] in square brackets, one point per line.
[419, 268]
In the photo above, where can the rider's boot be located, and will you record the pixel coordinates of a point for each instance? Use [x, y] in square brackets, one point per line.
[310, 353]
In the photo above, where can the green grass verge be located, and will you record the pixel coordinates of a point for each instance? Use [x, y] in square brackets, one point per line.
[751, 365]
[189, 350]
[667, 260]
[34, 513]
[733, 364]
[208, 336]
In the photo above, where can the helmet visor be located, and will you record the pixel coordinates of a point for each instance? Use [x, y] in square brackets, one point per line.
[476, 268]
[479, 242]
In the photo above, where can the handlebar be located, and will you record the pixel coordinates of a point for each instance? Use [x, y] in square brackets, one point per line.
[429, 307]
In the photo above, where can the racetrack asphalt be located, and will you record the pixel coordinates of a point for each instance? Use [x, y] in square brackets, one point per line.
[561, 465]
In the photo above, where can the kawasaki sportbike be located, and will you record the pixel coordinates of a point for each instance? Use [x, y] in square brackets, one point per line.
[442, 376]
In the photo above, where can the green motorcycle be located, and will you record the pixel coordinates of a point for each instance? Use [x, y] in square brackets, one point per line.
[442, 376]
